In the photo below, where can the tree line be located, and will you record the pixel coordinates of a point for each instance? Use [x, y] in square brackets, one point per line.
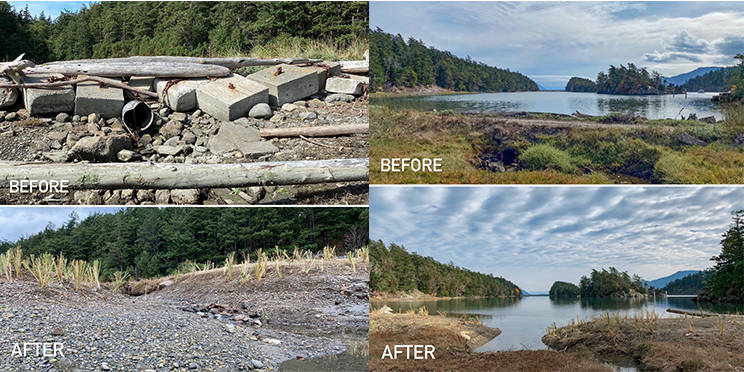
[148, 242]
[393, 270]
[725, 283]
[397, 63]
[199, 28]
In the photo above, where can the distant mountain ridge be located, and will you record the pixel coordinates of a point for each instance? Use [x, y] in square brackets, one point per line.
[683, 78]
[662, 282]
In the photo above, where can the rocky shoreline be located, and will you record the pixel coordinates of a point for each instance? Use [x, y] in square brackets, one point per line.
[256, 327]
[188, 138]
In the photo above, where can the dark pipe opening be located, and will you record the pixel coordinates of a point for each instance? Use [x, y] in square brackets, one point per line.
[137, 116]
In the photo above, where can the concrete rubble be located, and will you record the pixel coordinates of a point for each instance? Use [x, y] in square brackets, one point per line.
[195, 121]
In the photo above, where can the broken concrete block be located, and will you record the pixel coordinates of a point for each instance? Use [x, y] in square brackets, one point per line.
[325, 70]
[363, 79]
[231, 97]
[90, 98]
[46, 101]
[292, 83]
[234, 137]
[181, 95]
[344, 86]
[142, 82]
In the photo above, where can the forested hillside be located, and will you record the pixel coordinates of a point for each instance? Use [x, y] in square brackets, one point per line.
[117, 29]
[395, 270]
[689, 285]
[152, 241]
[397, 63]
[714, 81]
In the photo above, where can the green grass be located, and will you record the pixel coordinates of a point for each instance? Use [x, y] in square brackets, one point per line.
[650, 153]
[543, 156]
[286, 47]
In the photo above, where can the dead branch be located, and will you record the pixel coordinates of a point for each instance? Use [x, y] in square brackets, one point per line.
[105, 81]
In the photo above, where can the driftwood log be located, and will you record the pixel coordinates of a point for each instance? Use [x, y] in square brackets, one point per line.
[354, 67]
[131, 68]
[187, 176]
[324, 131]
[104, 81]
[231, 63]
[691, 313]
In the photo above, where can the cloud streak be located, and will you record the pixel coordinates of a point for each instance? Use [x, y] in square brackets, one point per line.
[536, 235]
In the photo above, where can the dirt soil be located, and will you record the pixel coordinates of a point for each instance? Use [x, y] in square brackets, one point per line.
[454, 340]
[246, 326]
[41, 139]
[678, 344]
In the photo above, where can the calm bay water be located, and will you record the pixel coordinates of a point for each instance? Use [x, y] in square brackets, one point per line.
[523, 321]
[650, 107]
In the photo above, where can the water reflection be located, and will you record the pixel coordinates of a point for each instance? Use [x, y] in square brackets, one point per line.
[523, 321]
[652, 107]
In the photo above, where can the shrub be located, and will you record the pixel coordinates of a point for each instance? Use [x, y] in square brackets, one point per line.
[119, 279]
[542, 156]
[733, 125]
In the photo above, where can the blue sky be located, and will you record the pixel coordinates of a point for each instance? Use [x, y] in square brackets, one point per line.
[534, 236]
[552, 41]
[16, 222]
[50, 8]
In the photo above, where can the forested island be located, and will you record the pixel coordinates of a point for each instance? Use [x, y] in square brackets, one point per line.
[199, 28]
[564, 290]
[148, 242]
[397, 63]
[613, 283]
[394, 270]
[624, 80]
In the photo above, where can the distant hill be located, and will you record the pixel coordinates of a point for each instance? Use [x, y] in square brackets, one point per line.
[692, 284]
[719, 80]
[662, 282]
[683, 78]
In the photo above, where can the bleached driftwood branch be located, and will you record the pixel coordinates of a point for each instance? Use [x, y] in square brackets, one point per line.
[131, 68]
[231, 63]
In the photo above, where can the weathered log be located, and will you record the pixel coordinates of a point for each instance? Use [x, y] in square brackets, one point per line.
[187, 176]
[691, 313]
[354, 67]
[131, 68]
[14, 68]
[324, 131]
[105, 81]
[231, 63]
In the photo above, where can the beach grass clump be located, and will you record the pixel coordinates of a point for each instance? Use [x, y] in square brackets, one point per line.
[119, 279]
[78, 270]
[229, 263]
[259, 269]
[733, 123]
[41, 268]
[544, 156]
[352, 261]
